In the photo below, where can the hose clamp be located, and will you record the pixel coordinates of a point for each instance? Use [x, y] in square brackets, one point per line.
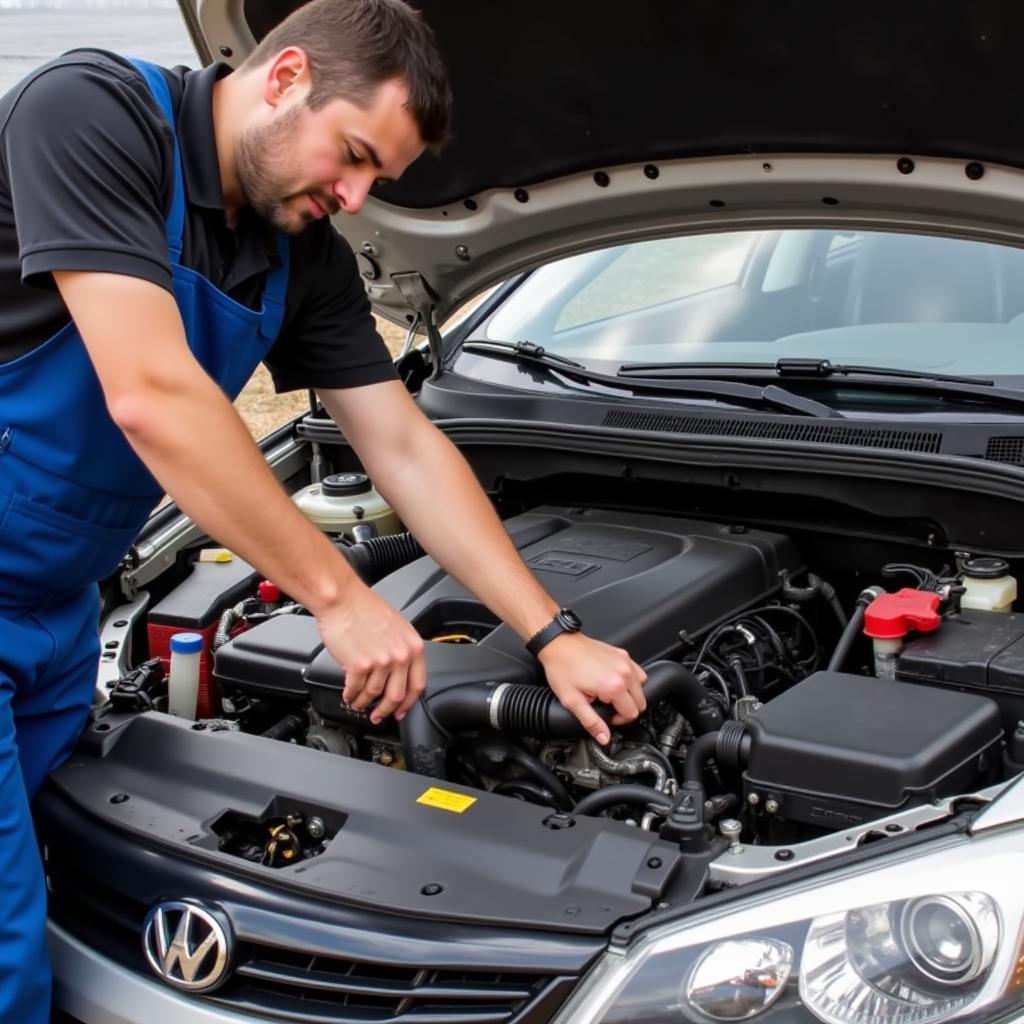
[494, 706]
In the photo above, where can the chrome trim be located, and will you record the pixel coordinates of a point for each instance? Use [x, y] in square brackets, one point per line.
[179, 938]
[1006, 809]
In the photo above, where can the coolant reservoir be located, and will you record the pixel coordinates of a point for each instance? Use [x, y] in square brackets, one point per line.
[988, 584]
[344, 500]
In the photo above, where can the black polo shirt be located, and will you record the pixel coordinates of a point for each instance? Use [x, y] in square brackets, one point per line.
[86, 179]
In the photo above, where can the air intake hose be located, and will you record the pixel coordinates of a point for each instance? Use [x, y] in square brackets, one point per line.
[525, 709]
[373, 559]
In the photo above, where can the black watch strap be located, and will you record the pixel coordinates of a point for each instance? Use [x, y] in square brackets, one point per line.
[565, 621]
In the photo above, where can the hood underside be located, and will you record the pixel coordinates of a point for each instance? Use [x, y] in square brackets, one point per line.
[577, 125]
[544, 90]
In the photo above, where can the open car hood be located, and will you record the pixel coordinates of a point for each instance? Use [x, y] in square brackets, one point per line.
[576, 125]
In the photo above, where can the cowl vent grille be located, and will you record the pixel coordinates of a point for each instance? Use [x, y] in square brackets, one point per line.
[811, 433]
[1005, 449]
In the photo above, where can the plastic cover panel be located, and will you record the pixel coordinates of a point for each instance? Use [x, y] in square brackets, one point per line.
[496, 860]
[866, 741]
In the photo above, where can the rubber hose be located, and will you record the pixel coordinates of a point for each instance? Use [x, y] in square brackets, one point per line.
[524, 709]
[288, 727]
[847, 639]
[531, 792]
[733, 747]
[742, 688]
[375, 558]
[490, 754]
[696, 757]
[628, 793]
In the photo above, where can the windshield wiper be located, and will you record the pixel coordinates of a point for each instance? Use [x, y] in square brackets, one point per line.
[822, 371]
[825, 368]
[816, 369]
[525, 353]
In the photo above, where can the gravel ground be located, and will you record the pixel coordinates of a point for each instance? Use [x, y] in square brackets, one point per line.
[262, 410]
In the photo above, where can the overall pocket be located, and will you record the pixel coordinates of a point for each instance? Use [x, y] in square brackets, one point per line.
[45, 552]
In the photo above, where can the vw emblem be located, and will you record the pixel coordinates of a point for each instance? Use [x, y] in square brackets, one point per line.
[186, 946]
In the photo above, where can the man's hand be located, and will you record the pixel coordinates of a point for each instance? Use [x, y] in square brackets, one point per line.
[580, 670]
[381, 653]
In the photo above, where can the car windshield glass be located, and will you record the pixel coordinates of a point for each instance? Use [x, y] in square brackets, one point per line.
[913, 302]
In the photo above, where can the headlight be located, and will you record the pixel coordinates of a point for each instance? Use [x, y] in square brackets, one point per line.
[900, 940]
[907, 962]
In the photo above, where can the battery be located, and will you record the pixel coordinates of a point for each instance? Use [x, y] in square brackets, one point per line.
[195, 606]
[974, 651]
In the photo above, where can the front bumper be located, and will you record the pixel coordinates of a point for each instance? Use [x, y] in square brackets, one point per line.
[95, 990]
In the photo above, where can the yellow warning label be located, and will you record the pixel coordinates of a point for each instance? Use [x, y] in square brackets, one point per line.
[215, 555]
[446, 800]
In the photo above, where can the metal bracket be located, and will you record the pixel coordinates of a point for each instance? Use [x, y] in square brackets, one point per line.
[744, 863]
[116, 644]
[422, 299]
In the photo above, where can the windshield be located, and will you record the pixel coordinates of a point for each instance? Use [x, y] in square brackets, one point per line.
[914, 302]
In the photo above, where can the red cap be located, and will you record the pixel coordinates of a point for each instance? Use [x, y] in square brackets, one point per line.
[892, 616]
[268, 593]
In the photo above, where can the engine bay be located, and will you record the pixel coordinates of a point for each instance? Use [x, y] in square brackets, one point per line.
[773, 718]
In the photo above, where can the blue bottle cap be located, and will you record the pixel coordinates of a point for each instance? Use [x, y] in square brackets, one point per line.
[186, 643]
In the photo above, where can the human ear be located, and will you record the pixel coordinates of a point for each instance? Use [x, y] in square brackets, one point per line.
[287, 72]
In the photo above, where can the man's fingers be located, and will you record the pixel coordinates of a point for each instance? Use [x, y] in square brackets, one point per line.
[376, 680]
[394, 694]
[354, 683]
[591, 721]
[417, 683]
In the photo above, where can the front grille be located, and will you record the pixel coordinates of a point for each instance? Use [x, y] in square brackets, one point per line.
[811, 433]
[1005, 449]
[292, 985]
[317, 988]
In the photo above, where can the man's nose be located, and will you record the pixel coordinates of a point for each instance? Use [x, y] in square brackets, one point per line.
[351, 191]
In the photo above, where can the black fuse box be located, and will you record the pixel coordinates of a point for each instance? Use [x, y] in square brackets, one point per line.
[975, 652]
[837, 749]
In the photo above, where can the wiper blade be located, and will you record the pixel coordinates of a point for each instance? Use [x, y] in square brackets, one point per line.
[825, 372]
[813, 369]
[526, 353]
[826, 368]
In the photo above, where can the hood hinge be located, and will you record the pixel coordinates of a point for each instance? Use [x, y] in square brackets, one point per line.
[423, 300]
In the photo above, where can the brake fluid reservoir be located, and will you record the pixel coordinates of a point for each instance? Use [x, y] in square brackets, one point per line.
[988, 585]
[344, 500]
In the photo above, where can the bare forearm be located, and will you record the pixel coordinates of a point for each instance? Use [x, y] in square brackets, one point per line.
[193, 441]
[468, 539]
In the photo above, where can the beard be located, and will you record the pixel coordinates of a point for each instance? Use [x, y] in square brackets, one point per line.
[267, 175]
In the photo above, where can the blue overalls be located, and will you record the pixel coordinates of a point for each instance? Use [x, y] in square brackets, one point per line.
[73, 496]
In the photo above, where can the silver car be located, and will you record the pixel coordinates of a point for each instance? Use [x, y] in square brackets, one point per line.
[725, 307]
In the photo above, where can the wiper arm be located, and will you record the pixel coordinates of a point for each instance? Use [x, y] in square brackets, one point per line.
[526, 353]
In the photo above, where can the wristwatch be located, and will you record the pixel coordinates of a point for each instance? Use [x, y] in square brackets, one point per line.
[565, 621]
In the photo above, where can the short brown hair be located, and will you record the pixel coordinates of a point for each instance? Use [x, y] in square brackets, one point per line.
[354, 46]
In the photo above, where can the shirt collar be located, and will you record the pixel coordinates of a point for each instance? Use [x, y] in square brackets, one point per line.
[198, 149]
[198, 144]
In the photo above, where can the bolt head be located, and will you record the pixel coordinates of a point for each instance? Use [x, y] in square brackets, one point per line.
[753, 799]
[771, 806]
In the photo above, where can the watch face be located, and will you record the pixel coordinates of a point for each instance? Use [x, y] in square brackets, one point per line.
[570, 619]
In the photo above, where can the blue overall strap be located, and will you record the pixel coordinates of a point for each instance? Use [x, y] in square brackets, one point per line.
[176, 218]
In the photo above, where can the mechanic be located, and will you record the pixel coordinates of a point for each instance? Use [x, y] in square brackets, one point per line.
[162, 232]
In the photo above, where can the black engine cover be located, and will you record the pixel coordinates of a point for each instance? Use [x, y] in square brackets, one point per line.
[636, 581]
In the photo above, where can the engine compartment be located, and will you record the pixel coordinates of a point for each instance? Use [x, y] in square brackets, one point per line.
[766, 722]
